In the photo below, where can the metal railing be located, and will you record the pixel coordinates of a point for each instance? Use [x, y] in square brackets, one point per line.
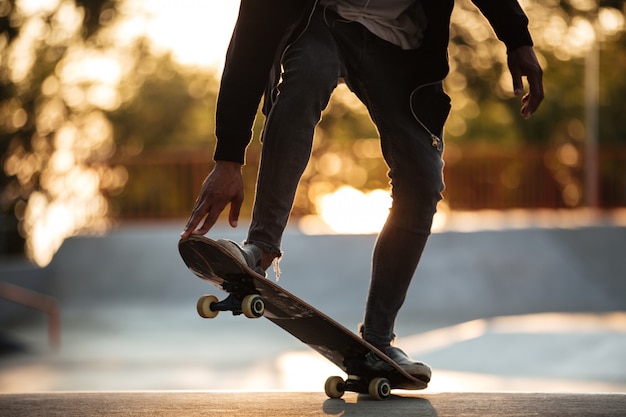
[36, 301]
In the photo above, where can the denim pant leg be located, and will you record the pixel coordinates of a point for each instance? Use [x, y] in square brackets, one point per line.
[311, 68]
[381, 75]
[417, 183]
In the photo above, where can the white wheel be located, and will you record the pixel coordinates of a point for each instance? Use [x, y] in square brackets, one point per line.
[380, 388]
[253, 306]
[334, 387]
[204, 306]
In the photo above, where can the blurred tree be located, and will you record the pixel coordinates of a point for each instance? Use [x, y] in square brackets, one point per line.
[76, 95]
[54, 136]
[485, 114]
[170, 115]
[484, 107]
[171, 107]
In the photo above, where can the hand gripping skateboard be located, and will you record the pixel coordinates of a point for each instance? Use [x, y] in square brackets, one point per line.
[254, 296]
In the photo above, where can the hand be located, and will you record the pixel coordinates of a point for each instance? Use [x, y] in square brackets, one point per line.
[523, 62]
[222, 186]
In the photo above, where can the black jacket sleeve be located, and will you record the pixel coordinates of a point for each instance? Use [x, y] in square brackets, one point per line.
[508, 20]
[259, 32]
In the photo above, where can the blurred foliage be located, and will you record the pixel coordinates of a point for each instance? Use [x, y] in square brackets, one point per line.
[485, 114]
[171, 107]
[80, 104]
[51, 176]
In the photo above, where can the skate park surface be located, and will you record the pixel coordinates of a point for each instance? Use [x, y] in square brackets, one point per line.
[515, 319]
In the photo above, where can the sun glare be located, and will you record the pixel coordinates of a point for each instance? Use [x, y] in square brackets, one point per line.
[86, 83]
[348, 211]
[196, 32]
[31, 7]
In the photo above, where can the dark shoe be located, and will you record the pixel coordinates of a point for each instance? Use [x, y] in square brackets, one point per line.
[249, 255]
[417, 369]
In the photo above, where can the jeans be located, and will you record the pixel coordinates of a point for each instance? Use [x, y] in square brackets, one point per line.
[381, 75]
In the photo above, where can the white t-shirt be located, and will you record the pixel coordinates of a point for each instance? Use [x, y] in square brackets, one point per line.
[400, 22]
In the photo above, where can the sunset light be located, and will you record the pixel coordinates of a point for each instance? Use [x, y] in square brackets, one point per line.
[89, 86]
[351, 211]
[495, 261]
[66, 153]
[195, 32]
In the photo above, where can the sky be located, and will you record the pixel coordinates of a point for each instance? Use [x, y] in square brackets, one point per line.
[197, 32]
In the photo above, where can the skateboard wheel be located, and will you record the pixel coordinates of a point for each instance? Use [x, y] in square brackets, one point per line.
[379, 388]
[334, 387]
[253, 306]
[204, 306]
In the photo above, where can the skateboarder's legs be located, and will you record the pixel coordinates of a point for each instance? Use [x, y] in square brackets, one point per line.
[311, 69]
[381, 75]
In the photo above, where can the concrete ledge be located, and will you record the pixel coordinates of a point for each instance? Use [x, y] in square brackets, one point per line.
[275, 404]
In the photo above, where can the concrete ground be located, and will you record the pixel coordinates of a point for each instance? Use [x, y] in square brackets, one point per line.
[532, 309]
[278, 404]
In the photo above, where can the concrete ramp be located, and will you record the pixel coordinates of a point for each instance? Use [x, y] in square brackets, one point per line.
[482, 311]
[462, 276]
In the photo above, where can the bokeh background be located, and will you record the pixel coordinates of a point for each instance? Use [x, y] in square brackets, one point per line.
[107, 131]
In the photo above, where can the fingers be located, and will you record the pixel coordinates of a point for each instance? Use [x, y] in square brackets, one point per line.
[210, 216]
[235, 209]
[523, 62]
[198, 213]
[193, 221]
[518, 85]
[207, 207]
[209, 222]
[223, 186]
[535, 96]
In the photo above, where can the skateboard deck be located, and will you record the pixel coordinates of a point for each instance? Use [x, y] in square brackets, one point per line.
[254, 296]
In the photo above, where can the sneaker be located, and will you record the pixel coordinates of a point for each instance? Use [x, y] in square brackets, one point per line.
[417, 369]
[249, 255]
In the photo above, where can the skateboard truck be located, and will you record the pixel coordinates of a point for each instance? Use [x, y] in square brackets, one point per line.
[252, 306]
[377, 388]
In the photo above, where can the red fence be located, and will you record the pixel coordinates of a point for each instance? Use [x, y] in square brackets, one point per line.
[164, 185]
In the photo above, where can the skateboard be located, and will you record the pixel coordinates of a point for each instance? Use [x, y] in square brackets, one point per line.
[255, 296]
